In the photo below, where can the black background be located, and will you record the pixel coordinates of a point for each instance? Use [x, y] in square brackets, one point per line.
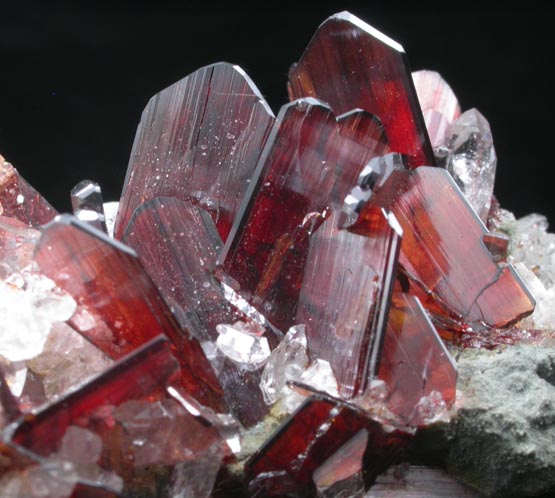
[75, 76]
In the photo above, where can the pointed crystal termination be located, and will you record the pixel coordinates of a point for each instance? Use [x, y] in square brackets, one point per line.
[87, 204]
[139, 375]
[443, 253]
[309, 164]
[286, 462]
[469, 155]
[351, 65]
[439, 104]
[119, 306]
[344, 298]
[341, 474]
[21, 201]
[198, 139]
[9, 407]
[177, 243]
[415, 363]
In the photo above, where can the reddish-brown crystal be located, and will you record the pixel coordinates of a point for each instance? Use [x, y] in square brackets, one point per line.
[310, 162]
[351, 65]
[140, 375]
[344, 298]
[414, 363]
[443, 252]
[177, 244]
[287, 461]
[198, 139]
[21, 201]
[121, 308]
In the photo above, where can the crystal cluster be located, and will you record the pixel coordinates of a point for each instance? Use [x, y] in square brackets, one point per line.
[305, 268]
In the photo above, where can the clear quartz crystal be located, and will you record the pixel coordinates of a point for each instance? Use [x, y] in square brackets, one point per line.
[469, 155]
[287, 362]
[110, 213]
[243, 345]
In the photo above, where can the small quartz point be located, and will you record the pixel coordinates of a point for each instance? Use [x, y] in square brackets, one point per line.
[86, 200]
[439, 104]
[120, 308]
[443, 253]
[345, 293]
[341, 474]
[195, 478]
[469, 155]
[141, 374]
[286, 462]
[309, 164]
[198, 139]
[351, 65]
[177, 243]
[21, 201]
[286, 363]
[418, 482]
[110, 213]
[415, 364]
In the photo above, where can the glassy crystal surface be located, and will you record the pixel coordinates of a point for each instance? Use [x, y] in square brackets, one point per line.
[198, 139]
[286, 461]
[439, 104]
[351, 65]
[469, 155]
[178, 244]
[443, 253]
[9, 407]
[415, 482]
[341, 474]
[345, 295]
[87, 204]
[21, 201]
[141, 374]
[309, 164]
[110, 213]
[414, 362]
[121, 308]
[17, 244]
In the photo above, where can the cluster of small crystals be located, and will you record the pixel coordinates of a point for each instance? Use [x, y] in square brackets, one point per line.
[291, 270]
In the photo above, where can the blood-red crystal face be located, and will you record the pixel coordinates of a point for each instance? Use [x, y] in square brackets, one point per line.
[309, 164]
[21, 201]
[344, 298]
[349, 65]
[198, 139]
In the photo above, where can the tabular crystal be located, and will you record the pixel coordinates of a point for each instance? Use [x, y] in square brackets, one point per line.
[349, 64]
[469, 155]
[344, 298]
[119, 306]
[310, 162]
[21, 201]
[198, 139]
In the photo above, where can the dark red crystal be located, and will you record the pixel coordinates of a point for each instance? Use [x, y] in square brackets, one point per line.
[351, 65]
[310, 162]
[122, 306]
[177, 243]
[198, 139]
[21, 201]
[344, 298]
[142, 374]
[414, 362]
[443, 251]
[287, 461]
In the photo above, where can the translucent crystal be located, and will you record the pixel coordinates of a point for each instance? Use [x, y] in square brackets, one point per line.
[241, 345]
[80, 446]
[287, 362]
[469, 155]
[544, 313]
[28, 308]
[110, 213]
[17, 243]
[86, 200]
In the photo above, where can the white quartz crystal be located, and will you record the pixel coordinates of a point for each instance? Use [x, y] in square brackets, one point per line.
[242, 345]
[110, 213]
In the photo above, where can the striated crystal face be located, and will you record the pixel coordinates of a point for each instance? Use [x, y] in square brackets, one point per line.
[351, 65]
[309, 164]
[198, 139]
[469, 155]
[344, 299]
[21, 201]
